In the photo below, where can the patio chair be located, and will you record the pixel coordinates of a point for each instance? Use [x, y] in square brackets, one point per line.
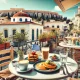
[76, 57]
[5, 58]
[35, 47]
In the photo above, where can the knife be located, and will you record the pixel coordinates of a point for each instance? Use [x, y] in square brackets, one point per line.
[62, 68]
[66, 69]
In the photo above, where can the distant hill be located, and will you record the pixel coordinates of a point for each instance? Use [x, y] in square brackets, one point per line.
[34, 14]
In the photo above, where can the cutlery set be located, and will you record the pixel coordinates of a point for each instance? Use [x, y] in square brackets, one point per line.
[65, 70]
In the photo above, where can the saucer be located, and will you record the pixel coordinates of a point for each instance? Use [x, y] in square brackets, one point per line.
[21, 71]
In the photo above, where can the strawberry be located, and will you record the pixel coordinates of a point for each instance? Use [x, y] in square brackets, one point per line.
[33, 53]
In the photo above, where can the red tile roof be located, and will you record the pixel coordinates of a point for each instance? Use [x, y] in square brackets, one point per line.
[21, 14]
[18, 23]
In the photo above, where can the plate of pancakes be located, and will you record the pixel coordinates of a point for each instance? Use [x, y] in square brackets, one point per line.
[46, 66]
[33, 57]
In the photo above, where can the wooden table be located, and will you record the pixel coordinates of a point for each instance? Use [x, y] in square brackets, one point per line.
[39, 76]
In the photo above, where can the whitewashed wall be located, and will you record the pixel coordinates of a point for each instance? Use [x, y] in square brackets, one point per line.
[23, 19]
[27, 27]
[56, 23]
[35, 27]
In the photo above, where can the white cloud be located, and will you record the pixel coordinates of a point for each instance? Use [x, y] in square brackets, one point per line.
[3, 1]
[56, 8]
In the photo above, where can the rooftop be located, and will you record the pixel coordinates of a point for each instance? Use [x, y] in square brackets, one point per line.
[21, 14]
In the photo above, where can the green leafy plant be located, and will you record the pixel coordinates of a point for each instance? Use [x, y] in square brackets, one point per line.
[43, 37]
[20, 54]
[2, 39]
[52, 34]
[19, 37]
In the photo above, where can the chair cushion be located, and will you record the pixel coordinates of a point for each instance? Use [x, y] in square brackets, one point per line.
[1, 78]
[36, 47]
[6, 73]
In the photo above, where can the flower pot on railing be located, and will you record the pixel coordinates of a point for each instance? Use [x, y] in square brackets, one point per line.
[7, 45]
[43, 40]
[2, 46]
[47, 39]
[54, 36]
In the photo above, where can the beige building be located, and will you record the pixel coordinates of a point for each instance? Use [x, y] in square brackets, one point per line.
[57, 24]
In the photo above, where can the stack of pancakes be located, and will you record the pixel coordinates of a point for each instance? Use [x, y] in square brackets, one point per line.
[33, 57]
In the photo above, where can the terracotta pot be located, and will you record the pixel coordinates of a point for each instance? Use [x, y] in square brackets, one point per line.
[54, 36]
[2, 46]
[43, 40]
[7, 44]
[47, 39]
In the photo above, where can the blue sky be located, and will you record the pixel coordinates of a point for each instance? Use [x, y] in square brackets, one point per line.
[46, 5]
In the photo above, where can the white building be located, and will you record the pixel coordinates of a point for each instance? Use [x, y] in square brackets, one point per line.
[57, 24]
[21, 22]
[76, 19]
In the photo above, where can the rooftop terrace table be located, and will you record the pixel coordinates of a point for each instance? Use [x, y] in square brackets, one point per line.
[69, 45]
[72, 37]
[39, 76]
[72, 47]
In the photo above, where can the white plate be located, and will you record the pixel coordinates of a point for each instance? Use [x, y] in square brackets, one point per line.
[20, 71]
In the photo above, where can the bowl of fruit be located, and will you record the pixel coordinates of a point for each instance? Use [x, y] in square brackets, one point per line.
[55, 57]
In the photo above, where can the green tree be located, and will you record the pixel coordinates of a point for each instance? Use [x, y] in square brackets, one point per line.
[8, 15]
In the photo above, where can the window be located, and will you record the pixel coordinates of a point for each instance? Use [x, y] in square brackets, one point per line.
[14, 19]
[52, 26]
[58, 26]
[6, 33]
[47, 26]
[32, 34]
[40, 31]
[20, 19]
[30, 20]
[37, 33]
[25, 20]
[22, 30]
[14, 31]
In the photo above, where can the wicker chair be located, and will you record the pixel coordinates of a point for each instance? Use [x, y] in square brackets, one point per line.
[6, 74]
[76, 57]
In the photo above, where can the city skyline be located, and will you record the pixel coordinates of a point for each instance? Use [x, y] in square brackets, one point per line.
[45, 5]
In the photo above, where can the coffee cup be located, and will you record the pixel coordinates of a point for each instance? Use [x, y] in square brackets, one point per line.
[23, 65]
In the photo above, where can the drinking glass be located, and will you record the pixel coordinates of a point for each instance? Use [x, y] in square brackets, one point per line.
[63, 56]
[45, 53]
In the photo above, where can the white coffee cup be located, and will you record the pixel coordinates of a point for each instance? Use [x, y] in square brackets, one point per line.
[23, 65]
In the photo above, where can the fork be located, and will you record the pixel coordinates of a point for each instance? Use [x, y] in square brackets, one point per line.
[62, 68]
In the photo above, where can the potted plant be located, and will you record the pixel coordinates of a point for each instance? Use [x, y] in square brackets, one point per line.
[42, 37]
[2, 41]
[48, 36]
[20, 54]
[7, 43]
[52, 34]
[20, 38]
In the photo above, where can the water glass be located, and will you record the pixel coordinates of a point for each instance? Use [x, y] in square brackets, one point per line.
[63, 57]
